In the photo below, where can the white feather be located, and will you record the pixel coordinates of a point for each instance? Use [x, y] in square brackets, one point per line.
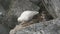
[27, 15]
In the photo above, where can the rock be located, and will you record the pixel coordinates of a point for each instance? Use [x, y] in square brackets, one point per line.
[53, 7]
[47, 27]
[35, 1]
[18, 6]
[10, 21]
[5, 4]
[4, 29]
[2, 13]
[2, 10]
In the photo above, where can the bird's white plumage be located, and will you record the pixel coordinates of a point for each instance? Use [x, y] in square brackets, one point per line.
[27, 15]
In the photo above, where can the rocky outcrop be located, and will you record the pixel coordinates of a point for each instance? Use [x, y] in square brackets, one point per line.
[37, 2]
[8, 19]
[5, 4]
[2, 13]
[18, 6]
[4, 29]
[53, 7]
[48, 27]
[11, 9]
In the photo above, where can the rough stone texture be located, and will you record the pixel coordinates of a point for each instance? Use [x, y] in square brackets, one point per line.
[48, 27]
[11, 21]
[7, 20]
[11, 10]
[53, 7]
[35, 1]
[2, 10]
[5, 3]
[2, 13]
[18, 6]
[4, 29]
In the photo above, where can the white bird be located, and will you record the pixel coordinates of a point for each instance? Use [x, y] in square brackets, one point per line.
[27, 15]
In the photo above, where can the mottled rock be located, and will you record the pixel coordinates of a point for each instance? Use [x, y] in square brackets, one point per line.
[53, 7]
[47, 27]
[18, 6]
[2, 13]
[5, 4]
[36, 1]
[4, 29]
[10, 21]
[2, 10]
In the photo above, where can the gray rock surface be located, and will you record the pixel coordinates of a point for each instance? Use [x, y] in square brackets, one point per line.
[53, 7]
[2, 13]
[18, 6]
[48, 27]
[35, 1]
[2, 10]
[4, 29]
[11, 10]
[5, 3]
[9, 20]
